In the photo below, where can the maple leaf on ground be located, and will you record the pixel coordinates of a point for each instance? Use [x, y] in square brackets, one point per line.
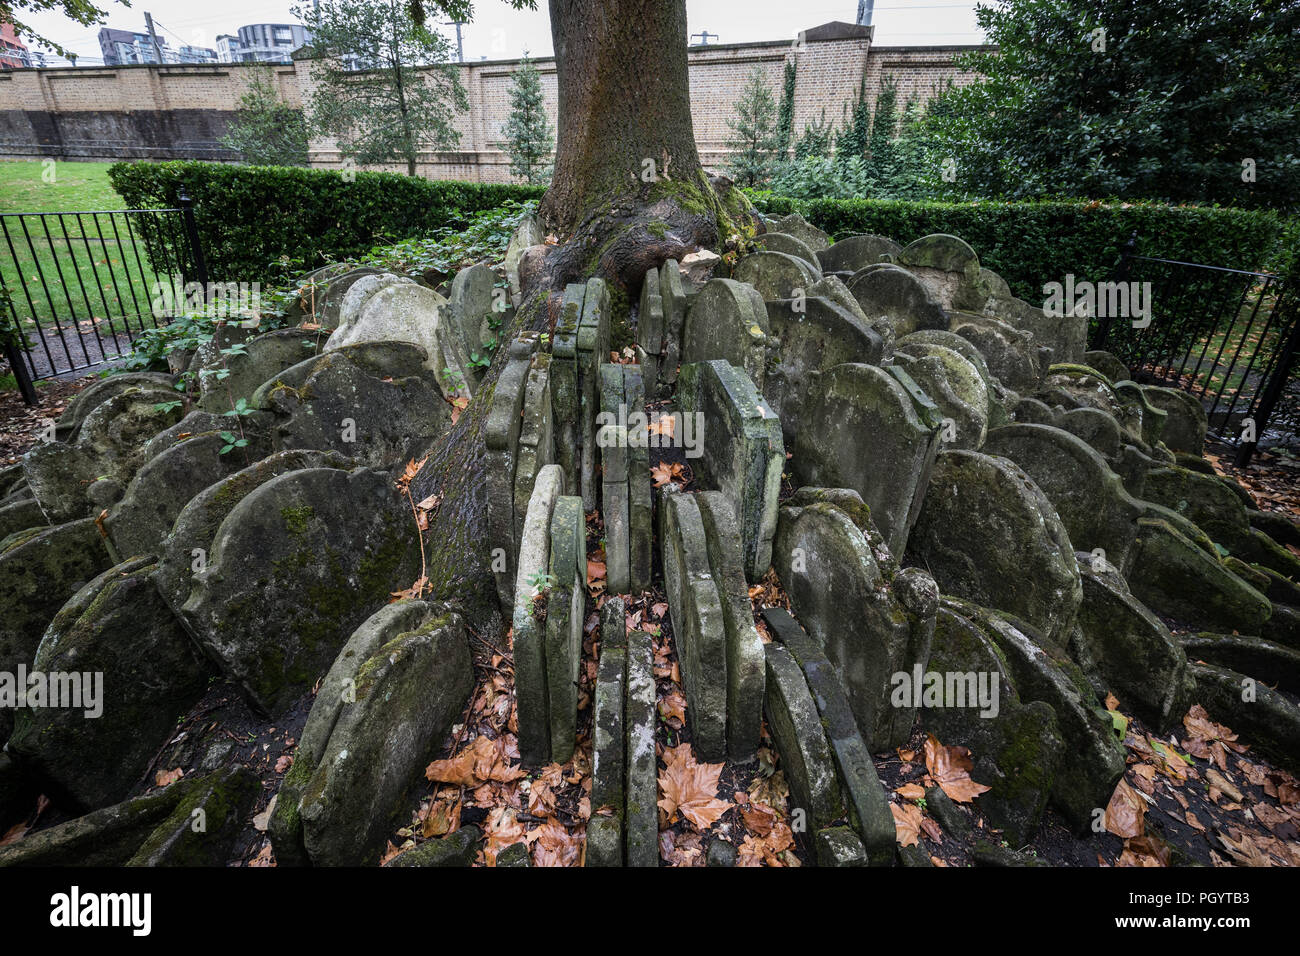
[596, 571]
[690, 788]
[1145, 851]
[673, 707]
[1203, 732]
[1126, 812]
[907, 823]
[950, 767]
[1243, 849]
[554, 845]
[662, 473]
[483, 760]
[164, 778]
[502, 830]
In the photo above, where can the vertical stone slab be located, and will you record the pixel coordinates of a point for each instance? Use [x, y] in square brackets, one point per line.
[745, 664]
[728, 321]
[593, 351]
[608, 766]
[529, 637]
[863, 432]
[800, 740]
[674, 302]
[864, 796]
[641, 824]
[566, 410]
[501, 435]
[698, 627]
[565, 609]
[650, 329]
[536, 434]
[640, 493]
[743, 451]
[870, 628]
[612, 439]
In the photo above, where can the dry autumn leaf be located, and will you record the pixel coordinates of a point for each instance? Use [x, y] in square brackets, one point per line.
[690, 788]
[1126, 812]
[907, 823]
[950, 767]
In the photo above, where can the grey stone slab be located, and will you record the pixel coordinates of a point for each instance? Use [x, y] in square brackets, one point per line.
[564, 619]
[743, 451]
[745, 664]
[797, 732]
[698, 623]
[642, 820]
[864, 796]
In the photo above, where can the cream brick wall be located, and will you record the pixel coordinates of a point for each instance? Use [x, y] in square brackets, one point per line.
[827, 78]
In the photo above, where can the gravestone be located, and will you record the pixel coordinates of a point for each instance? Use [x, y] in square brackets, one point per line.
[728, 321]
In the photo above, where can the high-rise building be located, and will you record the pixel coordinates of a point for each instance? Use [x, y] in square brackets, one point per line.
[124, 47]
[13, 51]
[270, 42]
[227, 48]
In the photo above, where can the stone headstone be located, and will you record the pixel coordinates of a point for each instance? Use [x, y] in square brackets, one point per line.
[949, 267]
[776, 275]
[406, 698]
[814, 334]
[529, 637]
[294, 569]
[1186, 424]
[892, 295]
[743, 454]
[826, 565]
[862, 431]
[698, 623]
[227, 378]
[790, 245]
[117, 634]
[990, 536]
[408, 312]
[565, 614]
[856, 252]
[728, 321]
[796, 225]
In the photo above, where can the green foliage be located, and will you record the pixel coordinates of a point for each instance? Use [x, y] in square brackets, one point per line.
[1167, 103]
[755, 143]
[266, 131]
[884, 129]
[449, 249]
[856, 134]
[385, 88]
[1028, 243]
[785, 112]
[259, 222]
[816, 140]
[528, 133]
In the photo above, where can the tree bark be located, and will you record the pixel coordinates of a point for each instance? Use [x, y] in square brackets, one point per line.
[624, 99]
[624, 102]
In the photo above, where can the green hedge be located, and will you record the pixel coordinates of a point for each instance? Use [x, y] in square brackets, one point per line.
[1030, 243]
[265, 223]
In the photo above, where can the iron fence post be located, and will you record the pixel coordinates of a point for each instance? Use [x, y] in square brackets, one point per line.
[1277, 382]
[192, 233]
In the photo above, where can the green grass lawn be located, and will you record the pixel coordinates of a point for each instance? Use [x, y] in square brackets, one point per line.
[72, 187]
[86, 269]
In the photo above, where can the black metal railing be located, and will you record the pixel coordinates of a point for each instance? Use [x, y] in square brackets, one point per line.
[1227, 336]
[77, 287]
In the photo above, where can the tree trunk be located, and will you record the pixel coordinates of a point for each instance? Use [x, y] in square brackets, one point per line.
[625, 109]
[628, 190]
[624, 99]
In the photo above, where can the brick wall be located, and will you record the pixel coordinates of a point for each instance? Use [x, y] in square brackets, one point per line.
[182, 111]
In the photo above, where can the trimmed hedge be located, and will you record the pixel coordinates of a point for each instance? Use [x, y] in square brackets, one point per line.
[1031, 243]
[265, 223]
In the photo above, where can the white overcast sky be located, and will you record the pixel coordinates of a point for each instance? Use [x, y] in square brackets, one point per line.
[500, 32]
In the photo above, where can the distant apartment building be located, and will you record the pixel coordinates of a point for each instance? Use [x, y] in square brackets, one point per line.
[13, 51]
[227, 48]
[269, 42]
[124, 47]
